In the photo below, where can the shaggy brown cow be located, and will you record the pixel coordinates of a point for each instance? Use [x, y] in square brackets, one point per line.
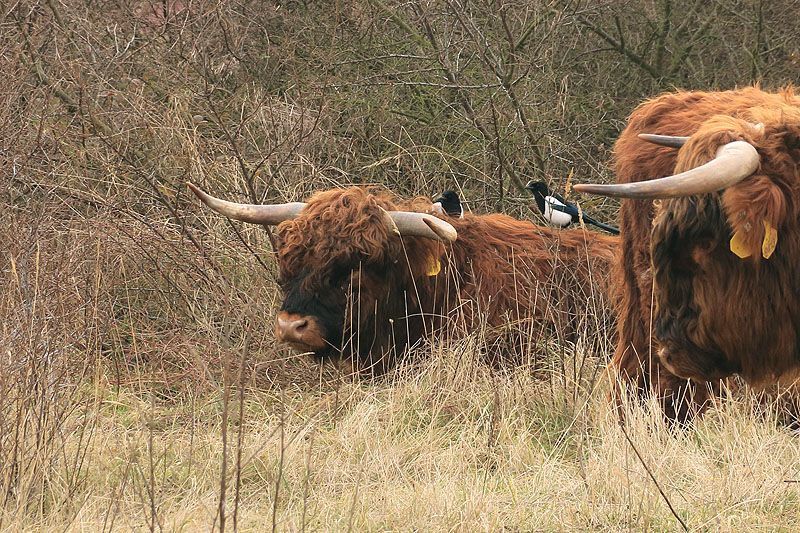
[362, 279]
[711, 269]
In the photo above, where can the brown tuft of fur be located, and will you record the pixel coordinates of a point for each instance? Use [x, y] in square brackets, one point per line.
[339, 226]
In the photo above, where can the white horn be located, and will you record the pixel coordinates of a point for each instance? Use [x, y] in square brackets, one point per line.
[664, 140]
[734, 162]
[270, 215]
[423, 225]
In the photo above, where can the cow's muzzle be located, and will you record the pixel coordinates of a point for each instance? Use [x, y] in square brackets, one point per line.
[302, 333]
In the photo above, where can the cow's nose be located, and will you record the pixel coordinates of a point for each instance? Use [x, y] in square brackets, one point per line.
[291, 329]
[301, 332]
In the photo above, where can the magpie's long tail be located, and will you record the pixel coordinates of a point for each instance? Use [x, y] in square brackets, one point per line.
[605, 227]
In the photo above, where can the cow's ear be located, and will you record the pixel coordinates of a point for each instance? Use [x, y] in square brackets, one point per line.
[756, 210]
[430, 260]
[433, 265]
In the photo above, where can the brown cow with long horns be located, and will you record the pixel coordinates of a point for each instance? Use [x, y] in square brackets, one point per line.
[367, 277]
[707, 279]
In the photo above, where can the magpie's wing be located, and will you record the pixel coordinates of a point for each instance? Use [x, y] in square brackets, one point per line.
[559, 197]
[571, 210]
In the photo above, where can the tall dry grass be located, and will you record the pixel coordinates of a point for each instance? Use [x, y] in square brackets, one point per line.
[446, 443]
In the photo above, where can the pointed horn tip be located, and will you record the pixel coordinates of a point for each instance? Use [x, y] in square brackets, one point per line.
[670, 141]
[195, 189]
[444, 230]
[586, 188]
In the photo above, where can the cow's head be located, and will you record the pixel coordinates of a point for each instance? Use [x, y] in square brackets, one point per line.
[724, 226]
[348, 262]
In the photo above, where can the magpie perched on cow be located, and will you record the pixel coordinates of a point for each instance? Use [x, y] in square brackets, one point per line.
[366, 275]
[448, 203]
[559, 212]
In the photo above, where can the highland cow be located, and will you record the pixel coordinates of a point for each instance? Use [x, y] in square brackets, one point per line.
[366, 276]
[707, 279]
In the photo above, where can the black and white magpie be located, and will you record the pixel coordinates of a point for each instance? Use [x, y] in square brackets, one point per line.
[558, 212]
[449, 203]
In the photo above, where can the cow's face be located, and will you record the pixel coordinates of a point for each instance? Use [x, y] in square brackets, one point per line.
[343, 274]
[336, 308]
[723, 240]
[348, 260]
[718, 259]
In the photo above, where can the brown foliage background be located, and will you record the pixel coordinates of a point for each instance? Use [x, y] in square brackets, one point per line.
[108, 107]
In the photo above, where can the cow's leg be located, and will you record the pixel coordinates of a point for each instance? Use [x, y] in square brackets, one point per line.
[629, 366]
[683, 399]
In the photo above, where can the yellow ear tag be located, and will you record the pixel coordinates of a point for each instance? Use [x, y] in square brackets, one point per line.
[433, 267]
[738, 245]
[770, 240]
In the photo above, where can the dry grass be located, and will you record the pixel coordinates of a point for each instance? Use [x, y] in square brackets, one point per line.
[444, 446]
[125, 407]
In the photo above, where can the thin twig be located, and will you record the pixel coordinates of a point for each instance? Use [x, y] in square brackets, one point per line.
[653, 477]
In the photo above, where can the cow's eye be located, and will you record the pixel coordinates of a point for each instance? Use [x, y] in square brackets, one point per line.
[340, 277]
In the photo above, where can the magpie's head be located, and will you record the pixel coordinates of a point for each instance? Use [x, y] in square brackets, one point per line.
[539, 191]
[448, 203]
[538, 187]
[450, 196]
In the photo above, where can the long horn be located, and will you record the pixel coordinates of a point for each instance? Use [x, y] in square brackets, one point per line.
[734, 162]
[257, 214]
[664, 140]
[423, 225]
[402, 222]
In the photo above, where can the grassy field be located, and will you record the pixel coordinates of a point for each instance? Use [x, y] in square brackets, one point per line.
[442, 445]
[141, 387]
[128, 403]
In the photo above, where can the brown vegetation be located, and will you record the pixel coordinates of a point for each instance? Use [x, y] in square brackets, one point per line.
[141, 385]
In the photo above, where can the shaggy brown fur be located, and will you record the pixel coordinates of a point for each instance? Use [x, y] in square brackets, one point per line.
[498, 270]
[712, 313]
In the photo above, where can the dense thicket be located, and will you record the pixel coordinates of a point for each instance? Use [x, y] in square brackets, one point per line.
[285, 97]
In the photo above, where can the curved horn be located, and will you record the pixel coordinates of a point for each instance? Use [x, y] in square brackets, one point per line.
[664, 140]
[734, 162]
[423, 225]
[673, 141]
[401, 222]
[257, 214]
